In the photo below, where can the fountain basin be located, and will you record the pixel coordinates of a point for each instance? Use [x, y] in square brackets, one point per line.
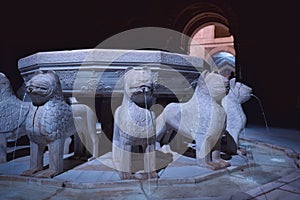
[99, 70]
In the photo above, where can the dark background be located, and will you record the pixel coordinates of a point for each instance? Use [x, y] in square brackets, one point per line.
[265, 32]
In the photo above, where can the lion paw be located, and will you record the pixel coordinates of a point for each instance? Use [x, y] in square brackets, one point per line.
[214, 165]
[153, 175]
[223, 163]
[47, 174]
[204, 164]
[125, 175]
[144, 176]
[30, 172]
[209, 165]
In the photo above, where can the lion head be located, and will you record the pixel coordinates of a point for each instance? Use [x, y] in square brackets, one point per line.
[43, 86]
[240, 91]
[215, 83]
[138, 86]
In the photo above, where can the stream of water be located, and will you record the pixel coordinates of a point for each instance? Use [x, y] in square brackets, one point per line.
[249, 156]
[147, 134]
[18, 129]
[263, 112]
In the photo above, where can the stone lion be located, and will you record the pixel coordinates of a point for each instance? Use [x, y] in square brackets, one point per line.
[50, 121]
[13, 113]
[202, 119]
[134, 126]
[238, 94]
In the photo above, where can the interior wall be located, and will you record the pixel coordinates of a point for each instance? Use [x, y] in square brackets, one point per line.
[264, 35]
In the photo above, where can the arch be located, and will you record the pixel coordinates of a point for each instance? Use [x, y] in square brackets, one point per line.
[200, 21]
[210, 39]
[199, 15]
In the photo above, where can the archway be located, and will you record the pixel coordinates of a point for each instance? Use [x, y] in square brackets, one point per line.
[209, 29]
[214, 43]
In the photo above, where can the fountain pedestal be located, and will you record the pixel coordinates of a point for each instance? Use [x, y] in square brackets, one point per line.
[93, 76]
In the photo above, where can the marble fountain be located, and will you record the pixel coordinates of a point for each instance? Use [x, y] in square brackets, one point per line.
[93, 84]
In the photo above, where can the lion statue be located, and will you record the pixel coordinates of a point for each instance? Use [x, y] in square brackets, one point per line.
[201, 119]
[51, 121]
[238, 94]
[13, 113]
[134, 125]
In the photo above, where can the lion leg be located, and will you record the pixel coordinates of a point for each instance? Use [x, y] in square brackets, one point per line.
[3, 145]
[78, 146]
[36, 159]
[96, 152]
[203, 153]
[67, 145]
[116, 146]
[216, 156]
[161, 129]
[149, 163]
[125, 163]
[206, 162]
[56, 150]
[95, 142]
[92, 131]
[116, 152]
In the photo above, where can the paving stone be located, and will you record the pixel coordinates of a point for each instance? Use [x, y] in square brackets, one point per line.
[292, 186]
[107, 193]
[181, 179]
[241, 196]
[264, 189]
[291, 177]
[279, 195]
[27, 191]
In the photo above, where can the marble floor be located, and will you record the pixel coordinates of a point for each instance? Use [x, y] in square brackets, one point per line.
[270, 170]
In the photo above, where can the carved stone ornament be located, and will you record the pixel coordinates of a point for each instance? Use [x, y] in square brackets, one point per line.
[134, 125]
[13, 113]
[238, 94]
[51, 120]
[202, 119]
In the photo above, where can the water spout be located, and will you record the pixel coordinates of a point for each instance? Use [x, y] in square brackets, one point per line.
[147, 135]
[263, 112]
[19, 123]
